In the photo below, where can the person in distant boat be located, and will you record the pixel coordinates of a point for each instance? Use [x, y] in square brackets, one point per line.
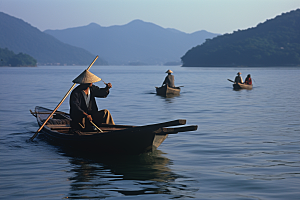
[238, 78]
[169, 80]
[248, 80]
[83, 107]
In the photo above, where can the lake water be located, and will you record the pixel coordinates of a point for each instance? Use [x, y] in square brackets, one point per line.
[247, 145]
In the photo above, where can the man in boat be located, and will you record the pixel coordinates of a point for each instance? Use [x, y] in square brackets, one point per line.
[238, 78]
[169, 80]
[83, 107]
[248, 80]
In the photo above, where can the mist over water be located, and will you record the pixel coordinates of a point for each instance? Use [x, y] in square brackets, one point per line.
[246, 145]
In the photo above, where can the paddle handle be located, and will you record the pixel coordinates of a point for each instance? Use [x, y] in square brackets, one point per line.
[92, 63]
[36, 133]
[96, 126]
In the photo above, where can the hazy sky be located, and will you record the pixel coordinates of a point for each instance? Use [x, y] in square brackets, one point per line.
[216, 16]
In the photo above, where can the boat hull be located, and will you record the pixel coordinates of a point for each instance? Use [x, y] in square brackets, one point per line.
[114, 139]
[105, 143]
[166, 90]
[238, 86]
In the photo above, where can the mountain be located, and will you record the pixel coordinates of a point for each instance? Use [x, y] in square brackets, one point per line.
[19, 36]
[275, 42]
[135, 42]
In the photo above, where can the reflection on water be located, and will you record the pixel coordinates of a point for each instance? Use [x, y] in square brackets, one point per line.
[100, 177]
[168, 98]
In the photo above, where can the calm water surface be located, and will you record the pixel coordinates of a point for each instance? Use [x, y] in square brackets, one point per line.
[247, 145]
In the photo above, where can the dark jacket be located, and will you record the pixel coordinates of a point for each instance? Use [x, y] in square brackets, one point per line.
[238, 79]
[169, 80]
[78, 105]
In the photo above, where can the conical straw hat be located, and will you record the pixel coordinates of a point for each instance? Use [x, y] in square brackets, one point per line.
[86, 77]
[169, 71]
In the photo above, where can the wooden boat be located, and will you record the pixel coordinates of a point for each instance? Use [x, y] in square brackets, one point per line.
[238, 86]
[166, 90]
[114, 139]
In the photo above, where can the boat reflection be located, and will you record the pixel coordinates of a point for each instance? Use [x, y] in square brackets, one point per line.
[168, 98]
[112, 176]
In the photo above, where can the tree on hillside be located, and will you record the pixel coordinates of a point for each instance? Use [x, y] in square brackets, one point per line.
[272, 43]
[9, 58]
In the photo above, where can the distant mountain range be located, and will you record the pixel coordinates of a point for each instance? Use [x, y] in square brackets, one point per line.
[20, 37]
[135, 43]
[275, 42]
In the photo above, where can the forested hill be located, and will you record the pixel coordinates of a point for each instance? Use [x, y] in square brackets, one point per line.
[10, 59]
[275, 42]
[20, 37]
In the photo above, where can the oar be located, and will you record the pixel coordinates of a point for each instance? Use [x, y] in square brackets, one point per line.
[96, 126]
[59, 104]
[176, 86]
[230, 80]
[93, 125]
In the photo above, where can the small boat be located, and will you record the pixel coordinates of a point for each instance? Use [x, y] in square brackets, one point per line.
[108, 139]
[166, 90]
[238, 86]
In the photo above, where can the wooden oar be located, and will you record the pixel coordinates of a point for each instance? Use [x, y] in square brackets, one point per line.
[36, 133]
[230, 80]
[96, 126]
[93, 125]
[176, 86]
[160, 129]
[164, 131]
[157, 126]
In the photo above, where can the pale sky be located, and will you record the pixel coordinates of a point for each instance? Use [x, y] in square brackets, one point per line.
[216, 16]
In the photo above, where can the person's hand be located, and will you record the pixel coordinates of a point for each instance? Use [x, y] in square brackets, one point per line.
[89, 117]
[108, 85]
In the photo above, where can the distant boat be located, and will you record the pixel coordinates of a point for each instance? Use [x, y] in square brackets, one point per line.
[166, 90]
[238, 86]
[112, 139]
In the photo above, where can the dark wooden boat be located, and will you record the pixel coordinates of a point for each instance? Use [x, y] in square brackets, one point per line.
[238, 86]
[166, 90]
[114, 139]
